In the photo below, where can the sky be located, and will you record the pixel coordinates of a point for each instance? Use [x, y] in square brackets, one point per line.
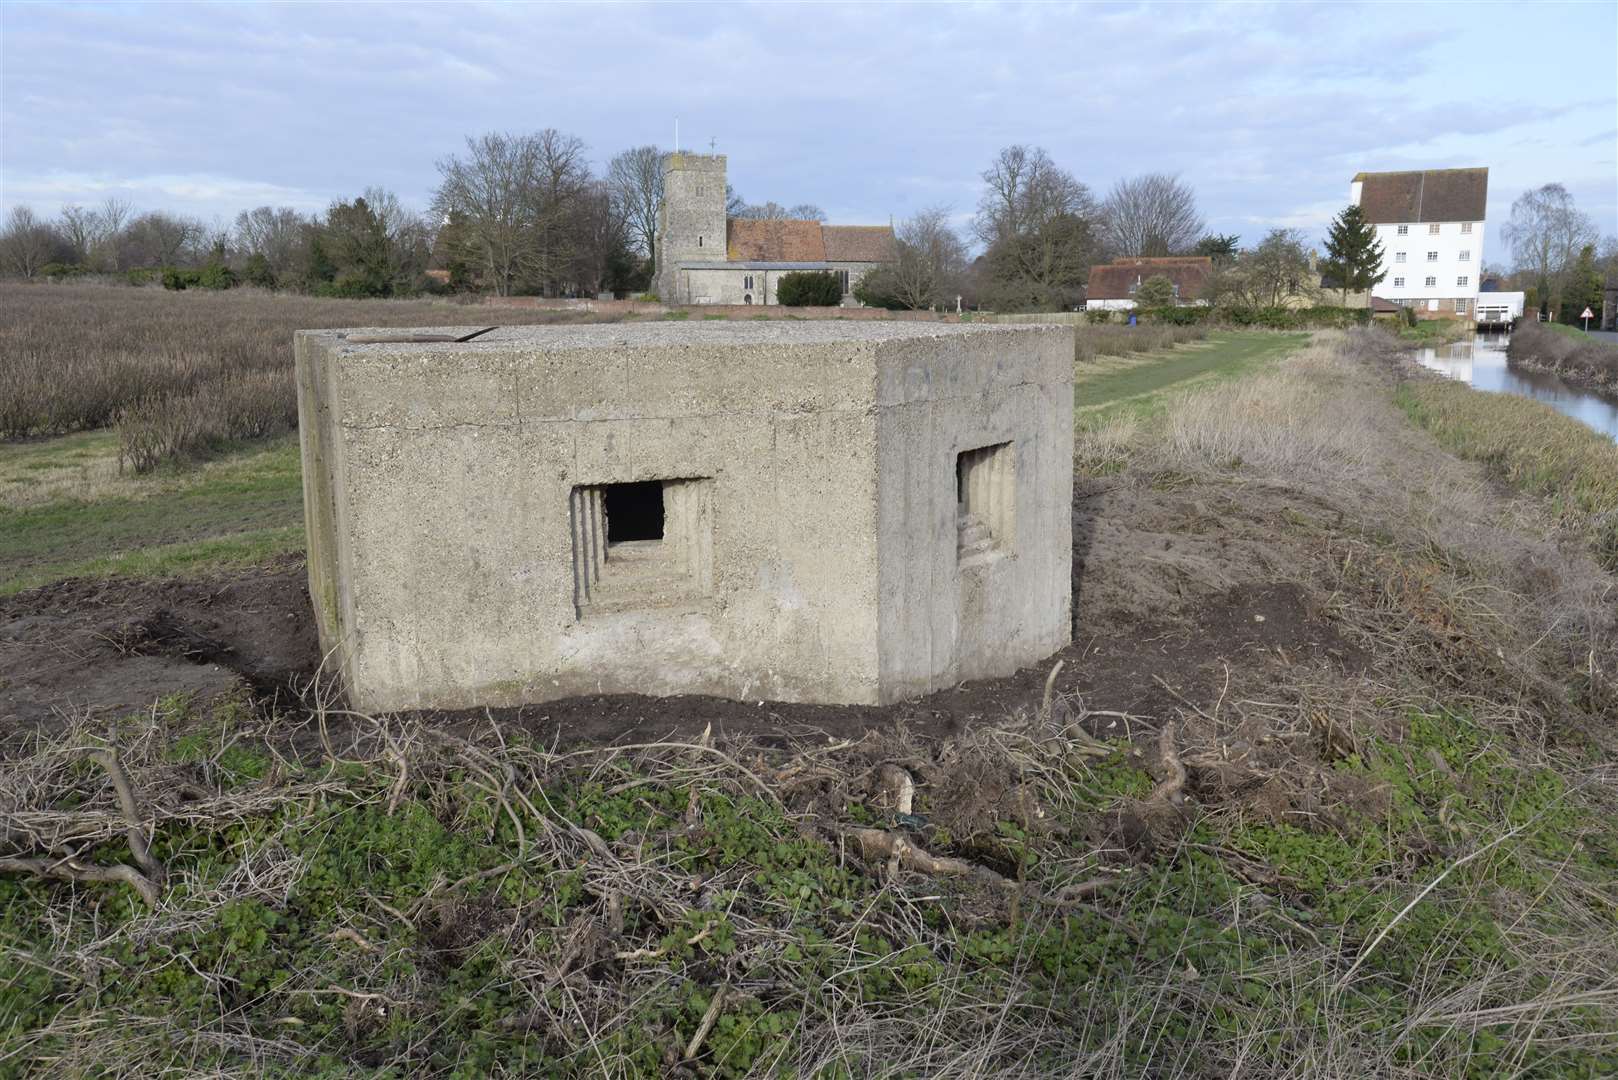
[871, 111]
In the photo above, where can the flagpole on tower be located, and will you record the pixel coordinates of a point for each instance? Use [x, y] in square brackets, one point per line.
[676, 134]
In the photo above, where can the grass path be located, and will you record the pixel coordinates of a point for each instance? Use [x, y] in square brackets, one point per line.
[1138, 384]
[236, 510]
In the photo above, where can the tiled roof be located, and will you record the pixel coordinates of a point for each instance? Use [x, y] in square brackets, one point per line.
[1432, 195]
[1113, 281]
[790, 240]
[858, 243]
[778, 240]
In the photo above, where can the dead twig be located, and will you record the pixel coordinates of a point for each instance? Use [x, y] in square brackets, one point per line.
[138, 847]
[876, 844]
[709, 1018]
[1170, 790]
[74, 870]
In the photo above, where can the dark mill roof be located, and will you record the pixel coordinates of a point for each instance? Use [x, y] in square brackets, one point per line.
[1387, 198]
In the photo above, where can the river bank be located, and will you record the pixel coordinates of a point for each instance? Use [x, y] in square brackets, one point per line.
[1576, 358]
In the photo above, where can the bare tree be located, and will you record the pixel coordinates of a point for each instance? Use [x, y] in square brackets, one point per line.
[774, 211]
[1151, 215]
[564, 183]
[1026, 191]
[157, 238]
[635, 181]
[1546, 233]
[80, 227]
[931, 259]
[274, 232]
[1268, 275]
[602, 237]
[1036, 219]
[27, 242]
[490, 196]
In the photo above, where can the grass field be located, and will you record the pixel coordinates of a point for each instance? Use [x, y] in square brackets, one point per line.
[1137, 384]
[67, 510]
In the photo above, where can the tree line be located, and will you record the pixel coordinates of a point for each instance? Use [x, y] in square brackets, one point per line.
[526, 214]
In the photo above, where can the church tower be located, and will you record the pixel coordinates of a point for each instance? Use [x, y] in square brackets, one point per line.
[691, 225]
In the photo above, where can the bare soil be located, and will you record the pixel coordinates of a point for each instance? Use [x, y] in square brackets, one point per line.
[1182, 597]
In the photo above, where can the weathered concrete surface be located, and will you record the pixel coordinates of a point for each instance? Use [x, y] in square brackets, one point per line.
[822, 537]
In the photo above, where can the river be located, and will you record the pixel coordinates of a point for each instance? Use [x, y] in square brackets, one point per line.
[1482, 363]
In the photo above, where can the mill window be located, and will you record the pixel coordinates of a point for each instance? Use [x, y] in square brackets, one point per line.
[1466, 256]
[1466, 227]
[1431, 282]
[1404, 230]
[1432, 230]
[1432, 256]
[1461, 281]
[1398, 283]
[1398, 256]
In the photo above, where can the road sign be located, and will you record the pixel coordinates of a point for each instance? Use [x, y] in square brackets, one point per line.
[1587, 316]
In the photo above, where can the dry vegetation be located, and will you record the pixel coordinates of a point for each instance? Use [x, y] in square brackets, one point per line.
[182, 374]
[1399, 862]
[1567, 352]
[177, 373]
[1092, 341]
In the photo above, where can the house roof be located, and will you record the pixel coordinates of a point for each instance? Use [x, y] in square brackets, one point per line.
[1428, 195]
[1379, 306]
[1115, 280]
[858, 243]
[789, 240]
[777, 240]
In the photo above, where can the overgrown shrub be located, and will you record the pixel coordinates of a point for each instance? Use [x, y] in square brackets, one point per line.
[1543, 347]
[809, 288]
[1314, 318]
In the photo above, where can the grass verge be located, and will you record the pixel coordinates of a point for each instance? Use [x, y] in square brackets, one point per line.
[91, 519]
[1529, 445]
[1135, 385]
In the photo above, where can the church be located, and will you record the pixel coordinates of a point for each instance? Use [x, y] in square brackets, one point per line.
[706, 257]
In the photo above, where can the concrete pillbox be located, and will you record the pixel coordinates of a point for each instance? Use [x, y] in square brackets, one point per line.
[841, 512]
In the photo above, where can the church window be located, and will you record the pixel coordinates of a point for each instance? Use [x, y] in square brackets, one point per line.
[747, 282]
[699, 241]
[842, 276]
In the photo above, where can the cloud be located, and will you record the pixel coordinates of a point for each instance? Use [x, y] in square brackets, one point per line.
[1266, 110]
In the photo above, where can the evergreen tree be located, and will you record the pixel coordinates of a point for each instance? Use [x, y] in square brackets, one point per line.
[1221, 248]
[1353, 253]
[1583, 287]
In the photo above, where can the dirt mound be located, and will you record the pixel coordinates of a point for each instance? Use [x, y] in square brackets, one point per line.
[115, 646]
[1175, 590]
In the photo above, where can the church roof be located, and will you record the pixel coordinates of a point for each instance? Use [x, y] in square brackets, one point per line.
[774, 240]
[1388, 198]
[781, 240]
[858, 243]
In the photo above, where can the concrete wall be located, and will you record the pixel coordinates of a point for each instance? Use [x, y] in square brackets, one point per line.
[813, 547]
